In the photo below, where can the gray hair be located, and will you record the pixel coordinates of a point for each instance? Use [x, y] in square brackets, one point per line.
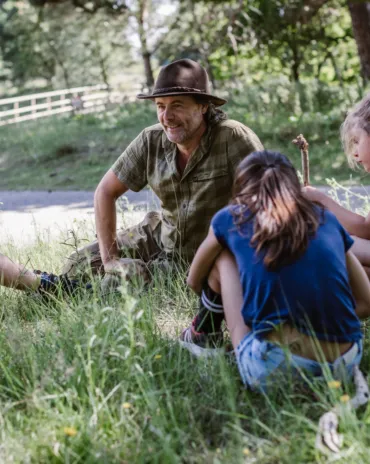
[213, 114]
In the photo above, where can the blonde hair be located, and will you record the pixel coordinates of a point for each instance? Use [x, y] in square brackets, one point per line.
[357, 118]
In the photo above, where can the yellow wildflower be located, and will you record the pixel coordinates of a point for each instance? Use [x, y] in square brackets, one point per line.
[126, 405]
[70, 431]
[246, 451]
[157, 356]
[344, 398]
[334, 384]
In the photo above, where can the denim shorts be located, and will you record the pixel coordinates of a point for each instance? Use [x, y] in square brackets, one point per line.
[259, 361]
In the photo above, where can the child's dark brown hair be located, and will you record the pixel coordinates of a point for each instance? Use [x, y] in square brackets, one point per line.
[268, 192]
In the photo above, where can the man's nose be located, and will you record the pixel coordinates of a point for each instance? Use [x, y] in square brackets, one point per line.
[167, 114]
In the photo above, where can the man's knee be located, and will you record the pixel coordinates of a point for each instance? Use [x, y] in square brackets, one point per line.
[83, 260]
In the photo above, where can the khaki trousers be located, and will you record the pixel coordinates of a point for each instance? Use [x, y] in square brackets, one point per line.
[139, 246]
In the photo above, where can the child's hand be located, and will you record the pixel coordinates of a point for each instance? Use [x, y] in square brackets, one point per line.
[314, 194]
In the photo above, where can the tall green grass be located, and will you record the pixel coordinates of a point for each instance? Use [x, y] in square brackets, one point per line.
[102, 379]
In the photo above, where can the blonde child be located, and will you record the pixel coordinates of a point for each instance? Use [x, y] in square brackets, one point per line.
[279, 268]
[355, 134]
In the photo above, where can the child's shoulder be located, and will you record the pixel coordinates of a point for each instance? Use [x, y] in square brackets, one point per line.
[326, 216]
[229, 212]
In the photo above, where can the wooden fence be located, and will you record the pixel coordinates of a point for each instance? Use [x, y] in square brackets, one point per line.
[76, 100]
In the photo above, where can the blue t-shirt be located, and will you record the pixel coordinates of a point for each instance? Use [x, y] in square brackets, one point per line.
[312, 293]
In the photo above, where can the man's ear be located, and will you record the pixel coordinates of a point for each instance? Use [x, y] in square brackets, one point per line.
[204, 109]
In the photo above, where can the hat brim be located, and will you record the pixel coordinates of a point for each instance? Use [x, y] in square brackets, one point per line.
[217, 101]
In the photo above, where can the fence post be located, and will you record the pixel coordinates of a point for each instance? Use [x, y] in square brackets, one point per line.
[16, 111]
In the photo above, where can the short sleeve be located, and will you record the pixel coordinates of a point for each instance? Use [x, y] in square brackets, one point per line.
[347, 239]
[242, 142]
[220, 223]
[131, 166]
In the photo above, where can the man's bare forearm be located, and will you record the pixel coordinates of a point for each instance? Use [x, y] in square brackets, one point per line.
[106, 222]
[109, 189]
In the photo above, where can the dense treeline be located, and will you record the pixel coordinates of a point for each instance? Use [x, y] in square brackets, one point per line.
[74, 42]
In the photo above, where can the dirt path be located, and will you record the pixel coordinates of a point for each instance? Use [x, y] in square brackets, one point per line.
[26, 215]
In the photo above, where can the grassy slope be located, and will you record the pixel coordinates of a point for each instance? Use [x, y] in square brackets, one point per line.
[112, 372]
[75, 152]
[69, 152]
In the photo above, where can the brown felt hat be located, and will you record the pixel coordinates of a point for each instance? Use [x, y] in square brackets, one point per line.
[183, 77]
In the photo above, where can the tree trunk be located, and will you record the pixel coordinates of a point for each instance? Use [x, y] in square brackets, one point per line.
[360, 15]
[149, 79]
[296, 61]
[145, 53]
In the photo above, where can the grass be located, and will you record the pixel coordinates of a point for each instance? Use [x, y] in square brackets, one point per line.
[99, 379]
[68, 153]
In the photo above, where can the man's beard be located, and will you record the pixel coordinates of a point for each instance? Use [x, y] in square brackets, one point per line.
[184, 136]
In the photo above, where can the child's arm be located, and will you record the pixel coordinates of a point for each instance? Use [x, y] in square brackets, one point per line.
[360, 285]
[203, 261]
[354, 223]
[17, 276]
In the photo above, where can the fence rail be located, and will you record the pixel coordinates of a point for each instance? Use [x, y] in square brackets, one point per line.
[77, 100]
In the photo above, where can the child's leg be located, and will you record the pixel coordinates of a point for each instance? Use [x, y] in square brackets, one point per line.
[17, 276]
[205, 329]
[224, 278]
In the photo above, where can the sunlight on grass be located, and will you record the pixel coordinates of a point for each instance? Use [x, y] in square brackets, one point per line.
[103, 379]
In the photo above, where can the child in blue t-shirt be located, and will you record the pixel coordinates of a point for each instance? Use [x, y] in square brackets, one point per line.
[278, 268]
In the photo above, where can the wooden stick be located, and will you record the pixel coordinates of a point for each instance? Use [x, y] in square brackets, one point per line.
[302, 144]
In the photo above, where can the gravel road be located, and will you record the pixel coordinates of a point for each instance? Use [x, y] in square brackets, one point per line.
[24, 215]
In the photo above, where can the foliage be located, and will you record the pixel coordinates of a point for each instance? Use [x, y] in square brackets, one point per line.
[68, 41]
[247, 39]
[302, 45]
[62, 45]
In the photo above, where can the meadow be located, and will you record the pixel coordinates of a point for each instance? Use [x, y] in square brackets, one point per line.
[99, 378]
[102, 379]
[74, 152]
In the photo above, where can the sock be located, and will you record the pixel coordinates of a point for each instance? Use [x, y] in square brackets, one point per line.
[211, 312]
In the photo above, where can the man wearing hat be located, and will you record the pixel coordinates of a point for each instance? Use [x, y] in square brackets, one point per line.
[188, 160]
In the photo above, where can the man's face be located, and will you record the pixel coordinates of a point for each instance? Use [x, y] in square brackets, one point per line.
[181, 117]
[361, 141]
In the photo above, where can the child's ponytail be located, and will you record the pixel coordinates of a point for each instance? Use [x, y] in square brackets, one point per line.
[268, 191]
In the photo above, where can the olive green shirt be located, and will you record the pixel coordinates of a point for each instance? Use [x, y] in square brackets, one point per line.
[188, 201]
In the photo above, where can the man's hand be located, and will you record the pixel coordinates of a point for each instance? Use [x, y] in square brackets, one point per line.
[129, 268]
